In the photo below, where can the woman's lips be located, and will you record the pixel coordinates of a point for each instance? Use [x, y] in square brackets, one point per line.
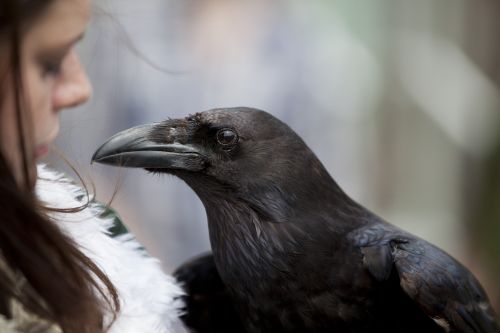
[41, 150]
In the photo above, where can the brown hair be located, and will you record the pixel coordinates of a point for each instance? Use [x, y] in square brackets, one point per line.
[63, 285]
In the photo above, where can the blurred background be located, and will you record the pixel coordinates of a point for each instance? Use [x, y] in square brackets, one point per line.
[400, 100]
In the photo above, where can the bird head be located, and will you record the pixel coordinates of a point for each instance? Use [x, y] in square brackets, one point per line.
[239, 154]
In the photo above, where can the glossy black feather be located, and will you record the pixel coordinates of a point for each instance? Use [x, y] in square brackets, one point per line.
[443, 288]
[208, 307]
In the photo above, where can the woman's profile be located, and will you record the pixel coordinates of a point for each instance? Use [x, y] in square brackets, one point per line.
[60, 271]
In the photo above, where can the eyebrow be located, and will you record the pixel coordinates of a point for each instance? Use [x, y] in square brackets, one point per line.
[58, 51]
[72, 41]
[62, 48]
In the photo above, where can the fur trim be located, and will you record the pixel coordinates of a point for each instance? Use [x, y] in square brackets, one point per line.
[149, 298]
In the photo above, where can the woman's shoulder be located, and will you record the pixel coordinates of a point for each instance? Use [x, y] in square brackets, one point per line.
[19, 319]
[22, 321]
[149, 297]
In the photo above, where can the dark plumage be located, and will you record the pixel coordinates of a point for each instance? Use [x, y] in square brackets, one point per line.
[208, 306]
[294, 251]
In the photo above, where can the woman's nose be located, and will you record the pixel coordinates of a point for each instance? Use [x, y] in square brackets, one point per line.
[72, 87]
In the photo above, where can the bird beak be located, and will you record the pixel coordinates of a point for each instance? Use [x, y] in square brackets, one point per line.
[133, 148]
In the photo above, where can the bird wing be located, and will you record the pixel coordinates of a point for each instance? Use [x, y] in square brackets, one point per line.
[444, 289]
[208, 307]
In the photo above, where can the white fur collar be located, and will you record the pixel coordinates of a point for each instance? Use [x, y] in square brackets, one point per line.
[148, 296]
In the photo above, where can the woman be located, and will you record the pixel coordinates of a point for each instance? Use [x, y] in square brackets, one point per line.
[59, 271]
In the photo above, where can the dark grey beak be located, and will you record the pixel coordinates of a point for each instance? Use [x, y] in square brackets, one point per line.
[133, 148]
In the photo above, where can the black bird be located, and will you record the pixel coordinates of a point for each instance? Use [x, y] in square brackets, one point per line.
[295, 253]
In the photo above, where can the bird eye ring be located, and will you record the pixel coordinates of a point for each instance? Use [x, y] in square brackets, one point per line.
[226, 137]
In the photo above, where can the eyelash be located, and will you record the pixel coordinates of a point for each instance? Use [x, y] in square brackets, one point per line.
[52, 67]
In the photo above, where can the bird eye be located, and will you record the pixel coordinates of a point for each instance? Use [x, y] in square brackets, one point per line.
[227, 137]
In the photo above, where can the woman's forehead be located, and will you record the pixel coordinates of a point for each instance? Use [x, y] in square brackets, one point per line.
[62, 23]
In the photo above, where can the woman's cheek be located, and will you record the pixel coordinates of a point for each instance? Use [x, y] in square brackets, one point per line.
[39, 101]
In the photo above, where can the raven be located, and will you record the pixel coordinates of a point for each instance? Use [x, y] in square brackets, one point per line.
[296, 253]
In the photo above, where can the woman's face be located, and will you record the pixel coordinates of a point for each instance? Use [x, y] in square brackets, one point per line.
[53, 80]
